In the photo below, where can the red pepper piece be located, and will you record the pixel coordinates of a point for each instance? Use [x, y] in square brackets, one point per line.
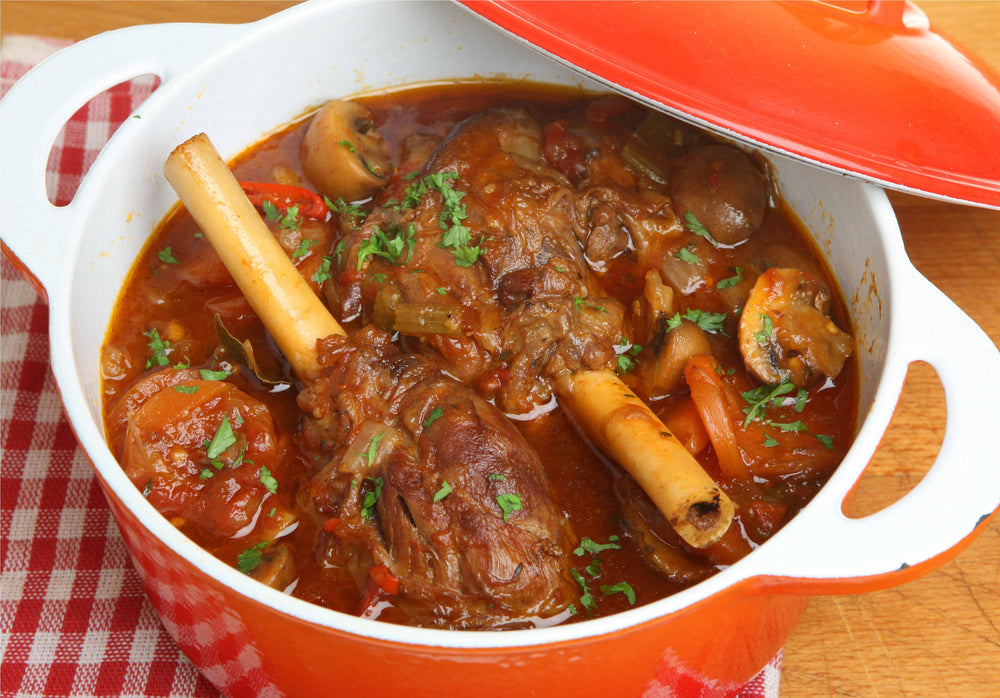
[309, 202]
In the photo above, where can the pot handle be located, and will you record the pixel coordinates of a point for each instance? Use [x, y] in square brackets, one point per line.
[828, 552]
[38, 105]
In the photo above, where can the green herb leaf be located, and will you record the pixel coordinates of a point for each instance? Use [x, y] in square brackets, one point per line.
[510, 503]
[158, 347]
[371, 498]
[380, 244]
[587, 545]
[347, 144]
[695, 226]
[166, 256]
[496, 476]
[709, 322]
[323, 273]
[686, 254]
[251, 558]
[800, 399]
[732, 280]
[267, 479]
[443, 492]
[222, 440]
[586, 600]
[372, 449]
[626, 353]
[761, 397]
[186, 389]
[434, 415]
[303, 248]
[620, 588]
[342, 207]
[211, 375]
[826, 441]
[763, 335]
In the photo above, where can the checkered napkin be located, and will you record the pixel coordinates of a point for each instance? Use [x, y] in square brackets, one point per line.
[73, 619]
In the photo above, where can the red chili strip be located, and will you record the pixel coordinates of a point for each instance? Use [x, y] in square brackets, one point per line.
[309, 202]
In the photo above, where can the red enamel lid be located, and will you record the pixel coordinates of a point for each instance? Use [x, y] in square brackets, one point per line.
[864, 88]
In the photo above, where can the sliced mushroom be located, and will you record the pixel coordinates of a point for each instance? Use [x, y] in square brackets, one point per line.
[276, 568]
[662, 366]
[723, 189]
[342, 154]
[786, 332]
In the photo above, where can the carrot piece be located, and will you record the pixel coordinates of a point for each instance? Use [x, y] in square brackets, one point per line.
[711, 399]
[330, 525]
[685, 423]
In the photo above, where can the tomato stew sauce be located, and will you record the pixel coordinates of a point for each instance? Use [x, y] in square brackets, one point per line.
[789, 439]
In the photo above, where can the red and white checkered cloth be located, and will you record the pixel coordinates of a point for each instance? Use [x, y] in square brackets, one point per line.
[74, 620]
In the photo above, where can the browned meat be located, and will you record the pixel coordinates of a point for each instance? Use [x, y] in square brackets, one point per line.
[493, 240]
[430, 481]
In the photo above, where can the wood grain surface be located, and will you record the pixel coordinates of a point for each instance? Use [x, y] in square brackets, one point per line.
[936, 636]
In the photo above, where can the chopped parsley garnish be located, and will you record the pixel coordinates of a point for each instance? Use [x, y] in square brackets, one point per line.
[288, 220]
[210, 375]
[764, 396]
[250, 559]
[580, 303]
[763, 335]
[434, 415]
[620, 588]
[731, 281]
[344, 208]
[594, 568]
[509, 502]
[389, 248]
[303, 249]
[761, 397]
[709, 322]
[695, 226]
[159, 349]
[370, 452]
[454, 232]
[347, 144]
[186, 389]
[626, 353]
[323, 273]
[589, 546]
[223, 439]
[443, 492]
[495, 476]
[586, 600]
[166, 256]
[826, 441]
[267, 479]
[371, 498]
[686, 254]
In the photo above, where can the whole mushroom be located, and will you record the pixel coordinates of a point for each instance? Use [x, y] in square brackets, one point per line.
[721, 187]
[342, 154]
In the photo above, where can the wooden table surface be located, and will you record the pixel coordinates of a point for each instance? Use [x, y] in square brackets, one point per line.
[937, 636]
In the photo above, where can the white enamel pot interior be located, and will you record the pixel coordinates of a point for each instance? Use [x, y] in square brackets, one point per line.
[238, 83]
